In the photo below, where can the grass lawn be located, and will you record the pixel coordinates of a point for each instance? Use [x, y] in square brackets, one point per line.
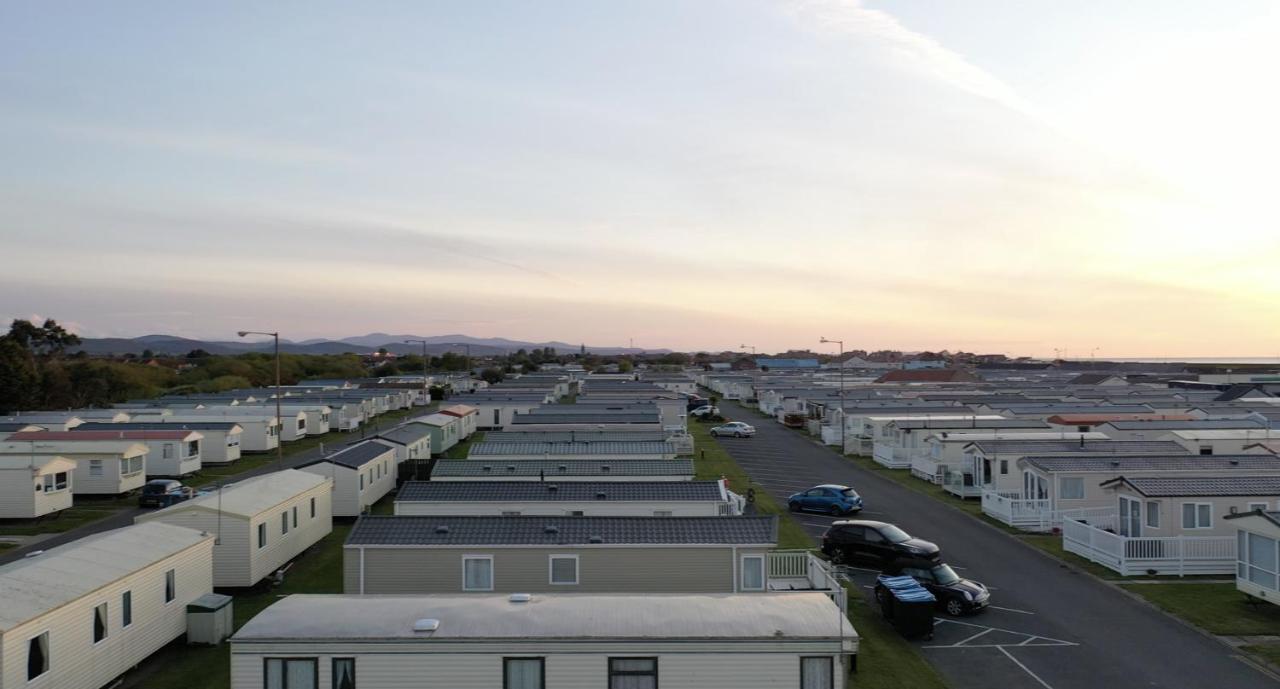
[1217, 608]
[84, 511]
[6, 546]
[1269, 653]
[885, 659]
[178, 666]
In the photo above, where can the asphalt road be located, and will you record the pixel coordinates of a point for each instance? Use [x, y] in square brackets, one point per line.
[125, 517]
[1049, 627]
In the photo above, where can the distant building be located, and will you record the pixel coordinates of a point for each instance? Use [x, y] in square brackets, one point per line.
[787, 364]
[942, 375]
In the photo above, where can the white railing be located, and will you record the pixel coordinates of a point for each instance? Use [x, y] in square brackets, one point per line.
[1029, 515]
[927, 468]
[737, 503]
[954, 483]
[803, 564]
[891, 457]
[1180, 555]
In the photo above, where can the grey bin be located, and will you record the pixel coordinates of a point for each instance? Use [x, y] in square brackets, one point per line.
[209, 619]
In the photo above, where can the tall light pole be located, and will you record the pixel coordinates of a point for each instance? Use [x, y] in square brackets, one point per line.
[824, 340]
[279, 417]
[751, 347]
[426, 393]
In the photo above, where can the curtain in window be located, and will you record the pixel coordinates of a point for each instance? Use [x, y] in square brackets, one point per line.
[344, 673]
[524, 673]
[816, 673]
[752, 573]
[647, 680]
[478, 574]
[299, 674]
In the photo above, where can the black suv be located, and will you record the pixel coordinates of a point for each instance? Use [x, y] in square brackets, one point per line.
[878, 541]
[955, 594]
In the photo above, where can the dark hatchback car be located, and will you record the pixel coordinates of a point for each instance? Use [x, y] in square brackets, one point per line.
[162, 492]
[881, 542]
[829, 498]
[956, 595]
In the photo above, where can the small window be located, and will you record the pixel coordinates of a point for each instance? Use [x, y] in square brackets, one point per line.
[170, 586]
[564, 569]
[193, 448]
[126, 608]
[633, 673]
[38, 656]
[95, 467]
[290, 673]
[99, 622]
[262, 535]
[284, 523]
[1004, 467]
[817, 672]
[1206, 449]
[523, 673]
[166, 452]
[344, 673]
[662, 513]
[1197, 515]
[752, 573]
[577, 513]
[512, 513]
[1153, 514]
[313, 508]
[1071, 489]
[361, 481]
[294, 511]
[1082, 429]
[1255, 506]
[477, 573]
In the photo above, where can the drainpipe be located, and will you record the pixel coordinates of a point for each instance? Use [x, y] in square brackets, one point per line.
[735, 568]
[362, 571]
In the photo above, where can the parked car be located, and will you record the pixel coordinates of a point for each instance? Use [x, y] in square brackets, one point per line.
[885, 543]
[830, 498]
[705, 410]
[162, 492]
[736, 429]
[956, 595]
[694, 402]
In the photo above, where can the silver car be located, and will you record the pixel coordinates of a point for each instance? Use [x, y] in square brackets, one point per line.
[736, 429]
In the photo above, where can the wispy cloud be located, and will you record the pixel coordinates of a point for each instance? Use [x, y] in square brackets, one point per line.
[910, 49]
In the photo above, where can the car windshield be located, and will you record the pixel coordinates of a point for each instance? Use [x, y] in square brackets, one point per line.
[894, 534]
[943, 574]
[154, 488]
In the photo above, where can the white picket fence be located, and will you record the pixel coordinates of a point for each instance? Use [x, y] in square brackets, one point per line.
[1180, 555]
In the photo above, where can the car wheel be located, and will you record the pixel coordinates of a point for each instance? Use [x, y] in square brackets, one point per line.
[737, 434]
[838, 557]
[834, 511]
[793, 506]
[714, 434]
[954, 608]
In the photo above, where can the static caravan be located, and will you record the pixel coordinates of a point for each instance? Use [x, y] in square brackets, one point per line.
[410, 441]
[293, 422]
[468, 418]
[1160, 430]
[568, 498]
[261, 522]
[103, 467]
[575, 436]
[573, 450]
[893, 449]
[316, 418]
[51, 476]
[564, 470]
[445, 431]
[258, 433]
[459, 554]
[495, 410]
[50, 421]
[1190, 506]
[171, 452]
[948, 463]
[344, 414]
[82, 614]
[361, 475]
[550, 419]
[1221, 442]
[546, 640]
[221, 443]
[102, 415]
[1257, 553]
[993, 462]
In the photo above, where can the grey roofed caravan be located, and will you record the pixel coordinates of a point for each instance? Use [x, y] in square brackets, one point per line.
[550, 491]
[586, 449]
[1201, 486]
[355, 456]
[600, 417]
[574, 436]
[567, 467]
[1160, 462]
[382, 530]
[1098, 447]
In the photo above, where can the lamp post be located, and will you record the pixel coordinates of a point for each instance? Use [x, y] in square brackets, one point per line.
[279, 417]
[426, 392]
[751, 347]
[824, 340]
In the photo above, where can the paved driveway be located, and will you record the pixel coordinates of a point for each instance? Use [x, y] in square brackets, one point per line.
[1053, 628]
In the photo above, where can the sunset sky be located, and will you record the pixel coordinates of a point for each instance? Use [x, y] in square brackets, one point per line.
[915, 174]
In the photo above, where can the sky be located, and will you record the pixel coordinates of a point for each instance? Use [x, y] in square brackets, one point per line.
[1026, 178]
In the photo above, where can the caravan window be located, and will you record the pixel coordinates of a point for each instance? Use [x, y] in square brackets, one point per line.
[344, 673]
[100, 621]
[817, 672]
[477, 573]
[290, 673]
[1197, 515]
[633, 673]
[523, 673]
[1071, 489]
[38, 656]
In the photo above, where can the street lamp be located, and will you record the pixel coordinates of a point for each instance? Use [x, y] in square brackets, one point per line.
[279, 417]
[426, 393]
[751, 347]
[824, 340]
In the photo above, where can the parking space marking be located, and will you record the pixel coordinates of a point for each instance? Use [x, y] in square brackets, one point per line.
[1025, 668]
[1020, 612]
[967, 640]
[1031, 640]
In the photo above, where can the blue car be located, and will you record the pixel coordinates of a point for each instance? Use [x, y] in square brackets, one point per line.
[828, 498]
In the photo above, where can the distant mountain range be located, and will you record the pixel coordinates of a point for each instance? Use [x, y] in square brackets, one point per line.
[364, 344]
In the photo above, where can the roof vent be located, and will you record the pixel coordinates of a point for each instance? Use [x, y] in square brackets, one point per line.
[1115, 462]
[486, 468]
[604, 468]
[511, 467]
[601, 495]
[443, 528]
[551, 528]
[552, 487]
[563, 467]
[426, 624]
[596, 539]
[520, 597]
[1235, 462]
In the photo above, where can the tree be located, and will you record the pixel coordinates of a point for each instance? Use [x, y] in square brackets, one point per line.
[625, 366]
[19, 376]
[197, 354]
[492, 375]
[148, 354]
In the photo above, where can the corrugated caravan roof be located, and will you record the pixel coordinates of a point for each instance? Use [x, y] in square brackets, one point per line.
[253, 495]
[567, 531]
[564, 467]
[550, 491]
[482, 449]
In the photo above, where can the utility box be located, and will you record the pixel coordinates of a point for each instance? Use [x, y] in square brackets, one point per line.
[209, 619]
